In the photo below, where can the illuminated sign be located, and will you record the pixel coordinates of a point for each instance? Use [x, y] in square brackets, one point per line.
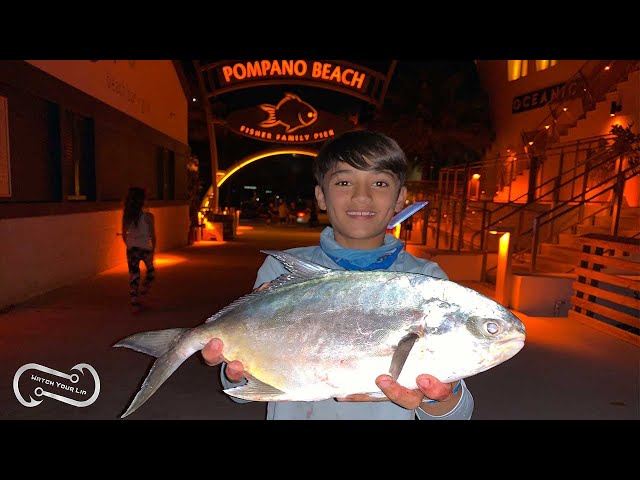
[338, 75]
[540, 98]
[280, 69]
[290, 121]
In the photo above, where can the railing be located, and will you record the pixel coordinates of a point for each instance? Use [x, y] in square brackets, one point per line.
[457, 222]
[584, 197]
[590, 85]
[461, 213]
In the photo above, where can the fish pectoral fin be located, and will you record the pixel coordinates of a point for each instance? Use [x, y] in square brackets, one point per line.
[257, 391]
[155, 343]
[400, 355]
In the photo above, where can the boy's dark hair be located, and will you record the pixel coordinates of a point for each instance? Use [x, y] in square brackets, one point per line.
[364, 150]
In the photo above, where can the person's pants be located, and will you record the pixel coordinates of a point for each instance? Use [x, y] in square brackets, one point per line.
[134, 256]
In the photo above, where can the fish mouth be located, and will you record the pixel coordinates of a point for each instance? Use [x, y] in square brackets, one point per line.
[507, 348]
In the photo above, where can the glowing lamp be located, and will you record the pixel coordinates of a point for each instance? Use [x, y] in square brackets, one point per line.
[503, 275]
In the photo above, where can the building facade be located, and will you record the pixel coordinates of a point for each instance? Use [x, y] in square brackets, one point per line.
[539, 105]
[74, 136]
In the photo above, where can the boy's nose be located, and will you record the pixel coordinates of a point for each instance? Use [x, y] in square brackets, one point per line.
[361, 194]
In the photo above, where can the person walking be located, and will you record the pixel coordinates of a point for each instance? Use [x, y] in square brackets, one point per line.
[139, 235]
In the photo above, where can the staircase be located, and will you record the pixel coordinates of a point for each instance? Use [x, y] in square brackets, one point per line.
[562, 258]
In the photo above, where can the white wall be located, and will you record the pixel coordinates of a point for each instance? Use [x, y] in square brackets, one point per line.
[43, 253]
[537, 295]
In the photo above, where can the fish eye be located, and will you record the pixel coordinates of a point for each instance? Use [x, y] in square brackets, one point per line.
[492, 327]
[310, 114]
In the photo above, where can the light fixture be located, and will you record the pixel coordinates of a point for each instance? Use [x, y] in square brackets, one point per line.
[615, 108]
[503, 274]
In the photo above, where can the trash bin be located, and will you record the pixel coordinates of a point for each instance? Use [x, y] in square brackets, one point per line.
[227, 221]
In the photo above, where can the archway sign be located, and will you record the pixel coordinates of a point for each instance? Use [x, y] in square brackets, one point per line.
[290, 120]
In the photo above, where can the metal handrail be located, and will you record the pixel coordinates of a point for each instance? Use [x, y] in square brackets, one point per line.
[557, 181]
[534, 231]
[589, 76]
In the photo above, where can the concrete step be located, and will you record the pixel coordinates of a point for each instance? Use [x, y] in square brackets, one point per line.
[570, 240]
[566, 254]
[622, 231]
[544, 263]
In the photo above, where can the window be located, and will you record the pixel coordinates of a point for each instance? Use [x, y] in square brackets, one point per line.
[5, 166]
[78, 157]
[165, 173]
[517, 69]
[544, 64]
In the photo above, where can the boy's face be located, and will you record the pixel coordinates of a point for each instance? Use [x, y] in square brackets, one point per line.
[360, 204]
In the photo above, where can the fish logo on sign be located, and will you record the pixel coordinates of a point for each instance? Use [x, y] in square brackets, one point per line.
[291, 111]
[55, 385]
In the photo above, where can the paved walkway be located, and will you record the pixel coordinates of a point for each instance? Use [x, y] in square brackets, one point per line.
[566, 370]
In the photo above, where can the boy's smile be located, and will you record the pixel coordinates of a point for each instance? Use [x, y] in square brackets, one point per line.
[360, 204]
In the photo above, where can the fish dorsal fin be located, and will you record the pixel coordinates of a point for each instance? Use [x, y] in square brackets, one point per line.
[256, 390]
[402, 352]
[297, 266]
[231, 306]
[299, 271]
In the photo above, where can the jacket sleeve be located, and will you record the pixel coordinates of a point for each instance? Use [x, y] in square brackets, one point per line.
[462, 411]
[226, 383]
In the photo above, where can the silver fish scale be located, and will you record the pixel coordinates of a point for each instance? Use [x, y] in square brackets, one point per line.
[342, 317]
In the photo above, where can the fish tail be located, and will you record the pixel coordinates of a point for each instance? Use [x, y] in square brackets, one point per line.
[161, 344]
[271, 111]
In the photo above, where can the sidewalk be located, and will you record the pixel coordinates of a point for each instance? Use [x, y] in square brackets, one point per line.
[565, 371]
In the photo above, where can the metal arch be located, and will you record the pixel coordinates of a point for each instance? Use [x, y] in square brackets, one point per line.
[207, 89]
[246, 161]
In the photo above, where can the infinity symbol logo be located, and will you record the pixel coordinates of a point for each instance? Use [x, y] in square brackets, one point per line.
[40, 392]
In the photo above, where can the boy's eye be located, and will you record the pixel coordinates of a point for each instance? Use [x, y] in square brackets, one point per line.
[381, 183]
[343, 183]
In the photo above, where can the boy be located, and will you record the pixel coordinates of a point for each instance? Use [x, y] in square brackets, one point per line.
[360, 183]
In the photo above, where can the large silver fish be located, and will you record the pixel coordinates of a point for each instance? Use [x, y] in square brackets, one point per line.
[318, 333]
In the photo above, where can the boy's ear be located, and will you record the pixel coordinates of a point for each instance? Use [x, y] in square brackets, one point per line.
[402, 197]
[320, 198]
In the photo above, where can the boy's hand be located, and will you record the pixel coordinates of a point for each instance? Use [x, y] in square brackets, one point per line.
[212, 355]
[429, 385]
